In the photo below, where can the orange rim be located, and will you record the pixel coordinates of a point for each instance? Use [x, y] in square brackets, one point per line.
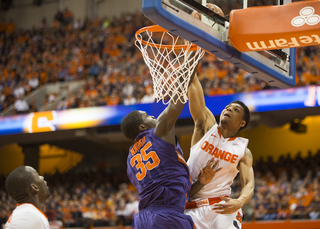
[157, 28]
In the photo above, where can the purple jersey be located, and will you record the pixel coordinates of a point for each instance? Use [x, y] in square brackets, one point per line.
[159, 172]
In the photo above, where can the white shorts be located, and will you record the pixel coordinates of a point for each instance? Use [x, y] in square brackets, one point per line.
[205, 218]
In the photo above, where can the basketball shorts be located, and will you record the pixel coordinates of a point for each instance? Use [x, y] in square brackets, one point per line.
[204, 217]
[160, 217]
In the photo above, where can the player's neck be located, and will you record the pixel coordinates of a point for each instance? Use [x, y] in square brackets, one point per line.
[35, 202]
[227, 132]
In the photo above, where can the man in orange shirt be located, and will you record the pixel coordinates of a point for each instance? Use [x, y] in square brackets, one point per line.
[30, 191]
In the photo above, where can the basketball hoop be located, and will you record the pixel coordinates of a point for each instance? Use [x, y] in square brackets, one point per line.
[171, 61]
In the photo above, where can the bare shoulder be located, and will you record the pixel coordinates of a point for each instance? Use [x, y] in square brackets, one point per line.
[247, 159]
[248, 153]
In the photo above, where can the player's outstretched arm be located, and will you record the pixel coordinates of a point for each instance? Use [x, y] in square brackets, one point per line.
[167, 119]
[201, 115]
[166, 122]
[247, 183]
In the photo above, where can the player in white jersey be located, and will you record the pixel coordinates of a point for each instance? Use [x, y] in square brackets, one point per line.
[209, 204]
[30, 191]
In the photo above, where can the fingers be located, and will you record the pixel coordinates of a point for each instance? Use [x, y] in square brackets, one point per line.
[218, 169]
[224, 198]
[223, 212]
[186, 42]
[219, 208]
[226, 206]
[215, 166]
[212, 161]
[222, 208]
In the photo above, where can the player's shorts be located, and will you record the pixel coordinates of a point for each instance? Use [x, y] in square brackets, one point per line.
[204, 217]
[161, 217]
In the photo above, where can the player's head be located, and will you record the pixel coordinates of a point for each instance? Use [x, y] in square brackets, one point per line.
[136, 122]
[236, 113]
[24, 184]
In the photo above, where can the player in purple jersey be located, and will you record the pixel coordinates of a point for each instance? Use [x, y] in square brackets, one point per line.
[156, 167]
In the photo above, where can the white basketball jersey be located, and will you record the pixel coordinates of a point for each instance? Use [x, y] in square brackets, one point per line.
[228, 150]
[27, 216]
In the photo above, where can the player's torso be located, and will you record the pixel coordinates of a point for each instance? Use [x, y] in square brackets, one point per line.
[228, 151]
[18, 217]
[158, 170]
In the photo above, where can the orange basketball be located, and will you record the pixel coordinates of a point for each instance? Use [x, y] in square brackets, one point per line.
[212, 7]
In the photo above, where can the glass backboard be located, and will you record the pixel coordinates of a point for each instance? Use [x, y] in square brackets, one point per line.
[277, 67]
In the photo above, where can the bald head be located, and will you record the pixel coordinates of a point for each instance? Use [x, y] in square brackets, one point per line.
[18, 183]
[130, 124]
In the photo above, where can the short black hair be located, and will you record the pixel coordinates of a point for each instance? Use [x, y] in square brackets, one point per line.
[130, 124]
[247, 115]
[18, 183]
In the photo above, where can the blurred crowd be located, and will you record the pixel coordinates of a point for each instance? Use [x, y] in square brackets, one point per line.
[103, 54]
[285, 189]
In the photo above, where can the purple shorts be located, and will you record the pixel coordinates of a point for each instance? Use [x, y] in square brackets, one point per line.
[162, 217]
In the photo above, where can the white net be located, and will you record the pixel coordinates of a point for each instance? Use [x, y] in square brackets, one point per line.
[171, 63]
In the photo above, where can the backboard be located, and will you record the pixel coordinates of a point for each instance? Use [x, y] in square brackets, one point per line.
[277, 67]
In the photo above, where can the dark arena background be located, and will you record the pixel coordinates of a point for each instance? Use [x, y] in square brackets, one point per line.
[69, 72]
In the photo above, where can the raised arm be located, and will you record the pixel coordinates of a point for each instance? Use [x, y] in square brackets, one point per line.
[201, 115]
[167, 119]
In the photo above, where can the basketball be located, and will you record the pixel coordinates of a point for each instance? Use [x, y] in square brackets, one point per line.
[212, 7]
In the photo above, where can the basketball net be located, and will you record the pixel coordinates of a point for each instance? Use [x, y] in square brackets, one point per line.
[171, 61]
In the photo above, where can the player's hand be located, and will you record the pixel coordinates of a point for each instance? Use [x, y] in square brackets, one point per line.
[228, 206]
[208, 172]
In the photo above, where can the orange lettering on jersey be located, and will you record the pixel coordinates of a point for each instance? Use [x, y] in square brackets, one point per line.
[137, 146]
[210, 149]
[227, 156]
[234, 158]
[215, 151]
[220, 154]
[204, 145]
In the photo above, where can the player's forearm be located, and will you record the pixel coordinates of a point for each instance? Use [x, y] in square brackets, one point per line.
[196, 99]
[246, 193]
[195, 188]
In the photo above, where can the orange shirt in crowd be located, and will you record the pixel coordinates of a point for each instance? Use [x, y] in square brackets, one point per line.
[221, 73]
[10, 28]
[3, 26]
[112, 100]
[310, 78]
[215, 91]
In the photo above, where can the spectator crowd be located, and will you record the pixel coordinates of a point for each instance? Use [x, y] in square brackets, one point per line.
[103, 54]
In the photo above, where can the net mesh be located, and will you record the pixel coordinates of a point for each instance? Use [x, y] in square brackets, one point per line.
[171, 61]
